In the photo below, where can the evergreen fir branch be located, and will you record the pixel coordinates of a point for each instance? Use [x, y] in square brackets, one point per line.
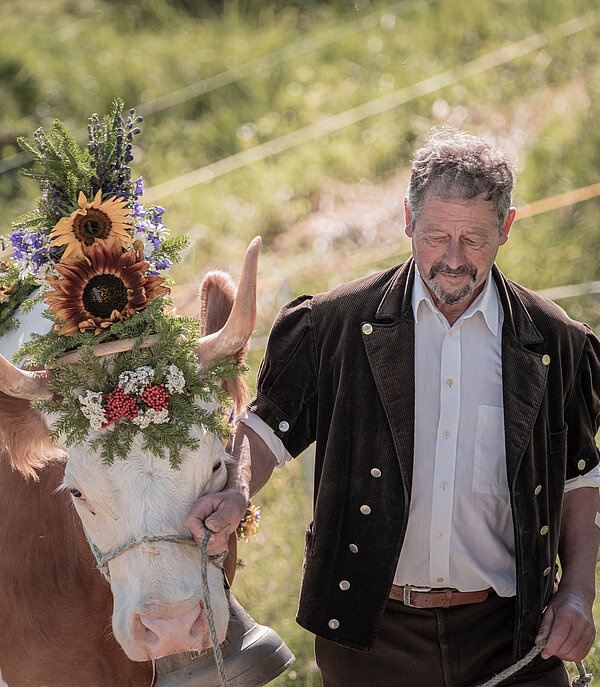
[172, 248]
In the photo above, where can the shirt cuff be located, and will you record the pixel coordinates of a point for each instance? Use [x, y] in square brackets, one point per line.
[590, 479]
[263, 430]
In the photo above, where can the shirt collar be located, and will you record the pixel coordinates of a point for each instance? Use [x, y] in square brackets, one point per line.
[486, 303]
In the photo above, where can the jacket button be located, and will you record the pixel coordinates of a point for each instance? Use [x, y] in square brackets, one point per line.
[367, 328]
[538, 489]
[344, 585]
[581, 464]
[353, 548]
[284, 426]
[375, 472]
[365, 510]
[547, 571]
[546, 359]
[334, 623]
[545, 529]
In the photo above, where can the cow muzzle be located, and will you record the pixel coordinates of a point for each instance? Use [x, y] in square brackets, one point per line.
[172, 630]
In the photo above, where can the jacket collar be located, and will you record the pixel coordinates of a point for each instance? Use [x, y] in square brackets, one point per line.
[396, 302]
[517, 320]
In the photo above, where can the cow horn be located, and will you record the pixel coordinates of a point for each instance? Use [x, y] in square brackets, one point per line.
[32, 386]
[239, 326]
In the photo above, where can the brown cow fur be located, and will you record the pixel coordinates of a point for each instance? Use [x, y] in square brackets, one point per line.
[55, 606]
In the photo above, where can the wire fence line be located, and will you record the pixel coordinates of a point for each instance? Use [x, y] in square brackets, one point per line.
[331, 124]
[383, 16]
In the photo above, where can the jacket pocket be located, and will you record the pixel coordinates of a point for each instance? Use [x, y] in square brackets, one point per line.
[489, 459]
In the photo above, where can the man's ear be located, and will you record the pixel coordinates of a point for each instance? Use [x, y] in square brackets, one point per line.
[507, 225]
[407, 227]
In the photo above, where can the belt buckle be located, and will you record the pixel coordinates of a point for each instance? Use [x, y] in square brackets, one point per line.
[408, 589]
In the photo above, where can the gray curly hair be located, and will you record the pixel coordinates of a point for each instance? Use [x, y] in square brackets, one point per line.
[455, 164]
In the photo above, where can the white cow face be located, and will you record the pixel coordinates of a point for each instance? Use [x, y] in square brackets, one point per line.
[158, 606]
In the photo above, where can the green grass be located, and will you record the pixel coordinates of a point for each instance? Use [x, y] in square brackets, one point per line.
[68, 58]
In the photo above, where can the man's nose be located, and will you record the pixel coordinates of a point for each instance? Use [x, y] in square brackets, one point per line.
[454, 255]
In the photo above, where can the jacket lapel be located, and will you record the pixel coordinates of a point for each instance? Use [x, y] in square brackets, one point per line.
[523, 374]
[390, 350]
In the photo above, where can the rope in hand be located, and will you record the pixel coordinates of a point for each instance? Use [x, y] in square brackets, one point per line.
[582, 680]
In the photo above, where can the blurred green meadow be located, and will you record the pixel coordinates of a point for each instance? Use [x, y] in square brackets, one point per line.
[296, 120]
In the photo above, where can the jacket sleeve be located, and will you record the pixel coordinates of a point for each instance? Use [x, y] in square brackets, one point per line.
[286, 396]
[582, 413]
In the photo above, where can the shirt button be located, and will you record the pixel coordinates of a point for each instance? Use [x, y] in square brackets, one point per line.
[581, 464]
[445, 434]
[546, 359]
[284, 426]
[344, 585]
[365, 510]
[538, 489]
[334, 623]
[450, 334]
[547, 572]
[545, 529]
[444, 485]
[440, 579]
[353, 548]
[450, 382]
[367, 328]
[375, 472]
[440, 535]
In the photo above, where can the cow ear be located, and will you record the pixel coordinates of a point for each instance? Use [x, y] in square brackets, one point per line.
[24, 436]
[217, 294]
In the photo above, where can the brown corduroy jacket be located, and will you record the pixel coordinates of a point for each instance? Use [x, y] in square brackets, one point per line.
[339, 370]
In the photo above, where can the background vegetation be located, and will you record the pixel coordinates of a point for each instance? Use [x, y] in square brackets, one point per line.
[220, 81]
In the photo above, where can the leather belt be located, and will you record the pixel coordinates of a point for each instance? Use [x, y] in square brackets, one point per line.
[424, 597]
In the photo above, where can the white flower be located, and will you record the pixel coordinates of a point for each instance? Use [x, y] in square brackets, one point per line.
[135, 381]
[151, 416]
[175, 380]
[25, 267]
[142, 236]
[91, 407]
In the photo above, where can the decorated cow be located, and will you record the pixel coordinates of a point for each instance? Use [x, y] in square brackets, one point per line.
[110, 430]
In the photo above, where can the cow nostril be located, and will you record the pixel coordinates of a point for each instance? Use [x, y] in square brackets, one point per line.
[200, 626]
[143, 632]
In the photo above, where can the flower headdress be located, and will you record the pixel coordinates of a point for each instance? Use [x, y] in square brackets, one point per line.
[97, 253]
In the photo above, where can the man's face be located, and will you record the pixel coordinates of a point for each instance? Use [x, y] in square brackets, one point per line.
[454, 243]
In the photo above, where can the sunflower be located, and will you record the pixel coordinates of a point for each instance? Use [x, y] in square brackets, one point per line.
[93, 223]
[108, 286]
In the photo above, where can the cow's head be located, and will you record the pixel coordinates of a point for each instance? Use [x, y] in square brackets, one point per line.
[156, 586]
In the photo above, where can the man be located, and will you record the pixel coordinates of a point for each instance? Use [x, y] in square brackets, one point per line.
[454, 414]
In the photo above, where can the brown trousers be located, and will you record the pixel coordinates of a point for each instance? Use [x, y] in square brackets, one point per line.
[462, 646]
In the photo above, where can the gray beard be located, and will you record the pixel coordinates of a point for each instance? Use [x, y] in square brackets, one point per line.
[452, 297]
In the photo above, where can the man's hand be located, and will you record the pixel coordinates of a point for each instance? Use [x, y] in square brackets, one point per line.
[219, 513]
[569, 626]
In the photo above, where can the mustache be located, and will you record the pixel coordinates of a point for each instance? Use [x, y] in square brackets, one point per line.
[467, 268]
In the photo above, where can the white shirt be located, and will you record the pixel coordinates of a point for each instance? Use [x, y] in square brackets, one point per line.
[459, 530]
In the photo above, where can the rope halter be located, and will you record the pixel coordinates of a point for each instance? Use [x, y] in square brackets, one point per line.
[217, 560]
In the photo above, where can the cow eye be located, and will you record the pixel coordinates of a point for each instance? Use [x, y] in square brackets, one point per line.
[217, 465]
[75, 493]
